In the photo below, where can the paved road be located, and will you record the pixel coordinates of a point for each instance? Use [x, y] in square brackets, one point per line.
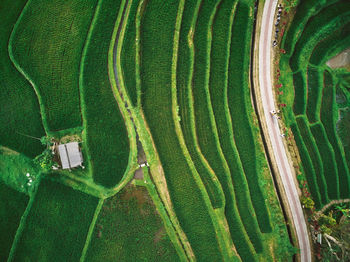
[265, 45]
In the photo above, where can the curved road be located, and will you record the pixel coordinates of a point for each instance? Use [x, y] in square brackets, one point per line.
[285, 172]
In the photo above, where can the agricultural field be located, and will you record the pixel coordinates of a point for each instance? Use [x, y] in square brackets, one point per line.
[313, 73]
[163, 88]
[318, 32]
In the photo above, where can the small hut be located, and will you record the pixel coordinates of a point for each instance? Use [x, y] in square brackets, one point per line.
[70, 155]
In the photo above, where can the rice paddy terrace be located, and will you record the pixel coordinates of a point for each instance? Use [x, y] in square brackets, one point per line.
[157, 94]
[318, 96]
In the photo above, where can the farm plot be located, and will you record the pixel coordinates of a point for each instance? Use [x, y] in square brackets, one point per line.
[12, 207]
[20, 112]
[105, 133]
[186, 190]
[328, 119]
[241, 109]
[317, 39]
[57, 224]
[210, 102]
[129, 226]
[47, 47]
[185, 102]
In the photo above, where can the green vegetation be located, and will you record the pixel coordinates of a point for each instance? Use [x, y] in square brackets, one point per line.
[48, 51]
[187, 196]
[128, 54]
[105, 133]
[20, 113]
[57, 224]
[241, 110]
[129, 227]
[12, 206]
[318, 31]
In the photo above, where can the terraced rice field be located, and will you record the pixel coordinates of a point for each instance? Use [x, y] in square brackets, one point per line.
[172, 76]
[319, 30]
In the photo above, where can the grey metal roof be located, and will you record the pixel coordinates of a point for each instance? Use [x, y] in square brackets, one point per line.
[70, 155]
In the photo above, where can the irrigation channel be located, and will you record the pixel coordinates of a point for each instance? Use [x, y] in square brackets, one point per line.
[273, 130]
[141, 157]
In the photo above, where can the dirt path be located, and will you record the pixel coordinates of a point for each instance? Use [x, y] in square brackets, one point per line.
[285, 172]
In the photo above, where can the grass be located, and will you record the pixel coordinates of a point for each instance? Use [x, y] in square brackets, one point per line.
[128, 54]
[105, 133]
[129, 227]
[12, 206]
[218, 93]
[314, 154]
[13, 169]
[241, 109]
[322, 48]
[184, 96]
[300, 95]
[328, 160]
[56, 225]
[48, 52]
[156, 64]
[20, 112]
[314, 88]
[308, 166]
[328, 119]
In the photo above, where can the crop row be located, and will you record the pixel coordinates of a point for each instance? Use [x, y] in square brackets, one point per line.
[314, 92]
[20, 112]
[218, 81]
[13, 205]
[186, 111]
[241, 109]
[328, 160]
[48, 52]
[319, 53]
[305, 10]
[105, 133]
[56, 224]
[328, 119]
[183, 183]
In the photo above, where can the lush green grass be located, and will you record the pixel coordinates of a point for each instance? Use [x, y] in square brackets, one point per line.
[57, 224]
[14, 167]
[129, 228]
[218, 94]
[315, 157]
[20, 113]
[300, 96]
[105, 133]
[322, 48]
[307, 165]
[185, 102]
[156, 60]
[328, 119]
[314, 88]
[47, 44]
[128, 54]
[12, 206]
[304, 11]
[241, 109]
[328, 160]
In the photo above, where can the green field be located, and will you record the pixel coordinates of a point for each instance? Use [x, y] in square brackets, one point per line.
[105, 133]
[167, 82]
[318, 32]
[20, 113]
[129, 228]
[12, 207]
[48, 52]
[56, 224]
